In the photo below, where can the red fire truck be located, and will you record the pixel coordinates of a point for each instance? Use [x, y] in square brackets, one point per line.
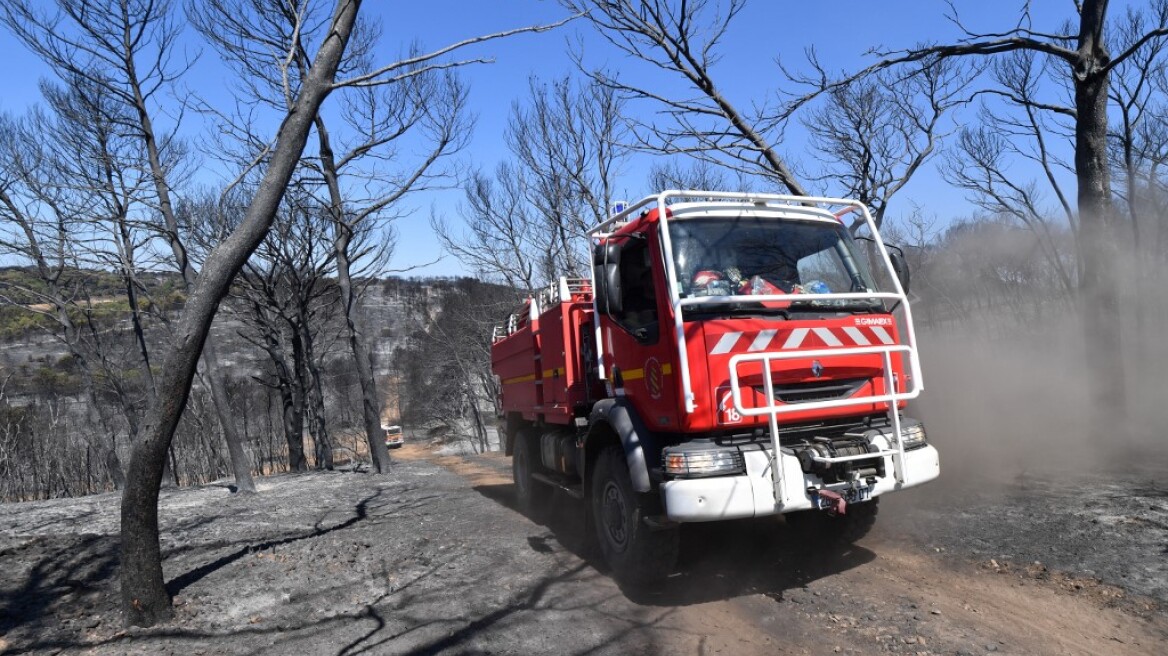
[732, 355]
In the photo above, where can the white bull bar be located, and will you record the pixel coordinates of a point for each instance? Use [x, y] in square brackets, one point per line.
[890, 395]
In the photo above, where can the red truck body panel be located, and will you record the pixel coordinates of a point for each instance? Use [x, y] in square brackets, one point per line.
[545, 374]
[515, 359]
[541, 366]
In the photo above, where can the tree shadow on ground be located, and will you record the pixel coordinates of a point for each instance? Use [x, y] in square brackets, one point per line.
[179, 583]
[387, 623]
[65, 580]
[718, 560]
[70, 581]
[529, 600]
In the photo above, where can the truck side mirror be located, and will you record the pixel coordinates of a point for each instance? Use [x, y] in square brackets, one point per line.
[900, 266]
[606, 270]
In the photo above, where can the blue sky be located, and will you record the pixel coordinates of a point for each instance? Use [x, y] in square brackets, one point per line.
[841, 31]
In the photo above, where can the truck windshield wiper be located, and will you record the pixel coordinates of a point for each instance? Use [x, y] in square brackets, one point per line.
[835, 306]
[735, 310]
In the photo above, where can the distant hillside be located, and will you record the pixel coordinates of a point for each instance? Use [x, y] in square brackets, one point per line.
[99, 294]
[394, 309]
[61, 436]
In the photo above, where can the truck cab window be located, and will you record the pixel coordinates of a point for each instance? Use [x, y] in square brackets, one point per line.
[829, 266]
[751, 255]
[638, 296]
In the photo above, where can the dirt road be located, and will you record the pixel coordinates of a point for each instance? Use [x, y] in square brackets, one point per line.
[751, 589]
[433, 559]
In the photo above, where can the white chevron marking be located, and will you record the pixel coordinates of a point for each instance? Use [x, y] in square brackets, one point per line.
[795, 340]
[726, 343]
[882, 335]
[763, 340]
[828, 337]
[857, 335]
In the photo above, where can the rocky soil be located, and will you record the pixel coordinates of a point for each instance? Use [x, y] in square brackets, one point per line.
[433, 559]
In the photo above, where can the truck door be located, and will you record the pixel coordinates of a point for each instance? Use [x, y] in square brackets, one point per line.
[637, 337]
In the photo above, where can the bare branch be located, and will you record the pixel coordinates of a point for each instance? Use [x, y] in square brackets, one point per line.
[374, 76]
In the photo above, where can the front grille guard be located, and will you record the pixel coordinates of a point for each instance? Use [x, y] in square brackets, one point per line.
[773, 409]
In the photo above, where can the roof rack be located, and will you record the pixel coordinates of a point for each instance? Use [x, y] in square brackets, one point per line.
[563, 290]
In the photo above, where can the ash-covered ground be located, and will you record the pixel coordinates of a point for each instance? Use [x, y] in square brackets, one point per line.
[433, 559]
[1113, 526]
[1034, 469]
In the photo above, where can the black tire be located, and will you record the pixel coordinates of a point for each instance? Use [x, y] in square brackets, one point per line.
[839, 530]
[635, 553]
[531, 497]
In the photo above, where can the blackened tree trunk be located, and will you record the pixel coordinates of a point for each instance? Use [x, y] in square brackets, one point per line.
[1099, 223]
[314, 393]
[479, 425]
[240, 467]
[370, 401]
[145, 600]
[293, 418]
[300, 391]
[343, 237]
[291, 398]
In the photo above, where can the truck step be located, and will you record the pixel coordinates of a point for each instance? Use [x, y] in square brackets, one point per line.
[575, 490]
[659, 522]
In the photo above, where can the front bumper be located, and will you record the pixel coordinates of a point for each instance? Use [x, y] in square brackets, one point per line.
[753, 495]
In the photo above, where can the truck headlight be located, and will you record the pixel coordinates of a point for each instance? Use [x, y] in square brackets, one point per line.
[698, 461]
[912, 435]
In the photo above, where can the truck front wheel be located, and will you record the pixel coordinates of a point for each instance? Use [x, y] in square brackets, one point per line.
[635, 552]
[531, 501]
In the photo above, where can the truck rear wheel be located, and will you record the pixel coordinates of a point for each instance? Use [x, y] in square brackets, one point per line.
[635, 552]
[530, 499]
[835, 530]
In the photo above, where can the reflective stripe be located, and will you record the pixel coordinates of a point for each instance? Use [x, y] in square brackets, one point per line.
[827, 337]
[638, 374]
[726, 343]
[882, 335]
[796, 338]
[857, 336]
[763, 340]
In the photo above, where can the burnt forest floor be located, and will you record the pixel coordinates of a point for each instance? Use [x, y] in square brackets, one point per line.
[433, 558]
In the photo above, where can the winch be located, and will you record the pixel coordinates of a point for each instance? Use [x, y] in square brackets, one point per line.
[837, 472]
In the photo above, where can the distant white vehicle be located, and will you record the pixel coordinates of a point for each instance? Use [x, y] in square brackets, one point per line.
[393, 437]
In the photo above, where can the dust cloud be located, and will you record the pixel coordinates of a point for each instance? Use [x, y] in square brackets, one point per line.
[1004, 403]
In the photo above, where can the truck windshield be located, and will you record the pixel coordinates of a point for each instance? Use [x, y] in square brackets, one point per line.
[750, 255]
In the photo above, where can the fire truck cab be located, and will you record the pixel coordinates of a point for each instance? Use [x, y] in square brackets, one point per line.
[732, 355]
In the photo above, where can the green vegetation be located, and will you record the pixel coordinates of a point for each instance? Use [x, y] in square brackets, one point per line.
[100, 298]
